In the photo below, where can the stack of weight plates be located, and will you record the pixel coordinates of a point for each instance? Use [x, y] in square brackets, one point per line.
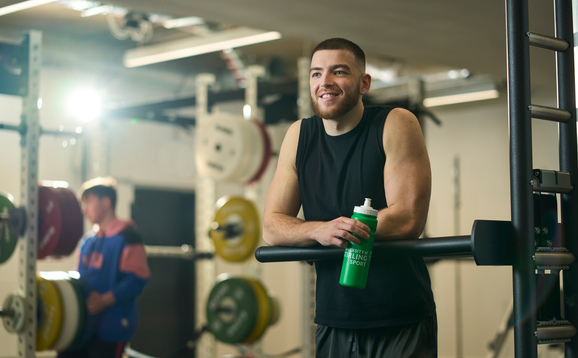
[230, 148]
[60, 225]
[239, 310]
[61, 314]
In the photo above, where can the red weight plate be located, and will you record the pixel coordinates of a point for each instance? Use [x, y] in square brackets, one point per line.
[266, 153]
[49, 221]
[72, 223]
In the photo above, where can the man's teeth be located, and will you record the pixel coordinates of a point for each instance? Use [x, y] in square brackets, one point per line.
[327, 95]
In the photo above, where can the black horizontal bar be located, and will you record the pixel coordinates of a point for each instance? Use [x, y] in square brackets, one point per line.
[427, 247]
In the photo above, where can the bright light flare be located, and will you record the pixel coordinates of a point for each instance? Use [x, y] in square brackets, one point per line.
[85, 104]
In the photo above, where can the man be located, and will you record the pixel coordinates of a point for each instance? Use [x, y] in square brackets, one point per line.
[112, 263]
[328, 164]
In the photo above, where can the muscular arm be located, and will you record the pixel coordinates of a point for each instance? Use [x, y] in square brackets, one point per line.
[407, 178]
[280, 223]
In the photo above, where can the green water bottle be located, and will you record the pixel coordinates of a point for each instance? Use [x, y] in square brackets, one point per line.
[357, 257]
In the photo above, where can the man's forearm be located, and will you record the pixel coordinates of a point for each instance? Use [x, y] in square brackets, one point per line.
[285, 230]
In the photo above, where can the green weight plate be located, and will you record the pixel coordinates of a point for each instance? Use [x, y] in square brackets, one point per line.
[232, 309]
[8, 241]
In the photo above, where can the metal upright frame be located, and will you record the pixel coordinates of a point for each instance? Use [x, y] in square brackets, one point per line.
[522, 175]
[30, 126]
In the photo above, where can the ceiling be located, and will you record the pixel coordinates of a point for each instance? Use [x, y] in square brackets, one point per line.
[413, 36]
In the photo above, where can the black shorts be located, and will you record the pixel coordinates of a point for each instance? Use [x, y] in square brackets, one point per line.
[413, 340]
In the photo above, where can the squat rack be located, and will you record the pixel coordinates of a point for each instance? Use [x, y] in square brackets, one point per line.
[27, 85]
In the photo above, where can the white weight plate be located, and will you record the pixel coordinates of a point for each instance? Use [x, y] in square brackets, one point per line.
[71, 315]
[254, 152]
[219, 147]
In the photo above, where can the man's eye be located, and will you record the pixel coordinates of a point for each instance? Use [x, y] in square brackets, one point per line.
[339, 72]
[315, 74]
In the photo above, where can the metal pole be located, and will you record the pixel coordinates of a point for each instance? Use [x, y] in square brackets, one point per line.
[520, 173]
[568, 159]
[29, 192]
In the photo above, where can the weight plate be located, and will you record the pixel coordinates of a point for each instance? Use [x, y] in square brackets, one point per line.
[89, 323]
[236, 229]
[8, 240]
[14, 323]
[49, 221]
[267, 151]
[264, 315]
[72, 223]
[232, 309]
[229, 148]
[71, 314]
[254, 149]
[49, 314]
[80, 303]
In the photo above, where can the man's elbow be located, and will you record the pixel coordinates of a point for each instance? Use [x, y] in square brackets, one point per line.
[412, 229]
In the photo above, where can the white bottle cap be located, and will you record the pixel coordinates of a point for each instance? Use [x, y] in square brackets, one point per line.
[366, 208]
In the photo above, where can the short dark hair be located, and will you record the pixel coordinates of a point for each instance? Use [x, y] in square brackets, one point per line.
[101, 187]
[338, 43]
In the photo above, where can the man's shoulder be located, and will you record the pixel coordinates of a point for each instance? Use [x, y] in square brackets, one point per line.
[131, 235]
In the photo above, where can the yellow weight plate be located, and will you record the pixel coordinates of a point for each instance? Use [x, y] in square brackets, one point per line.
[71, 314]
[264, 315]
[236, 229]
[49, 314]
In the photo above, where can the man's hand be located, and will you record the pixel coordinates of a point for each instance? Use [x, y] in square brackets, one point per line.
[339, 232]
[96, 302]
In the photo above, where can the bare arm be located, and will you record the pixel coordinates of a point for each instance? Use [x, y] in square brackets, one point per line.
[280, 223]
[407, 178]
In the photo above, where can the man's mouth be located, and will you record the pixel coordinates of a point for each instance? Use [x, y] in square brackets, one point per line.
[328, 95]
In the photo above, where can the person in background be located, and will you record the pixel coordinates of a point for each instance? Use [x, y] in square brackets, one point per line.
[113, 265]
[327, 165]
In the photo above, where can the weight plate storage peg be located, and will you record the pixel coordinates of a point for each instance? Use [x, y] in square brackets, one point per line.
[14, 314]
[8, 239]
[236, 228]
[49, 314]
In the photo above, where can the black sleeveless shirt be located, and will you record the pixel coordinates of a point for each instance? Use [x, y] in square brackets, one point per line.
[336, 173]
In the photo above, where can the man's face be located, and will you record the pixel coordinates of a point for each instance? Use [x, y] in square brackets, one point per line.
[94, 208]
[335, 82]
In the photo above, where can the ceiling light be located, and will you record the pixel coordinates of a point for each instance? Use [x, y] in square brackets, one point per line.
[461, 98]
[23, 5]
[187, 47]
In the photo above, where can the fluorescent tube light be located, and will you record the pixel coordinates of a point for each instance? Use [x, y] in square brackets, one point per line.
[23, 5]
[238, 37]
[461, 98]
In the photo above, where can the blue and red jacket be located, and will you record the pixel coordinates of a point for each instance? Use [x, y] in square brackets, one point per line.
[115, 260]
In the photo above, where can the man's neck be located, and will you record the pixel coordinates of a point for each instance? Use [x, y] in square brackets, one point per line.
[106, 221]
[344, 124]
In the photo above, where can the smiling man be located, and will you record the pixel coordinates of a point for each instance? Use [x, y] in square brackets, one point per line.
[328, 164]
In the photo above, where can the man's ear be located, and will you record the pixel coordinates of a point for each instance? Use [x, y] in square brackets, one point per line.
[365, 83]
[107, 202]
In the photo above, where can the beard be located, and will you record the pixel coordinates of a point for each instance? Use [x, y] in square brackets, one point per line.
[346, 104]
